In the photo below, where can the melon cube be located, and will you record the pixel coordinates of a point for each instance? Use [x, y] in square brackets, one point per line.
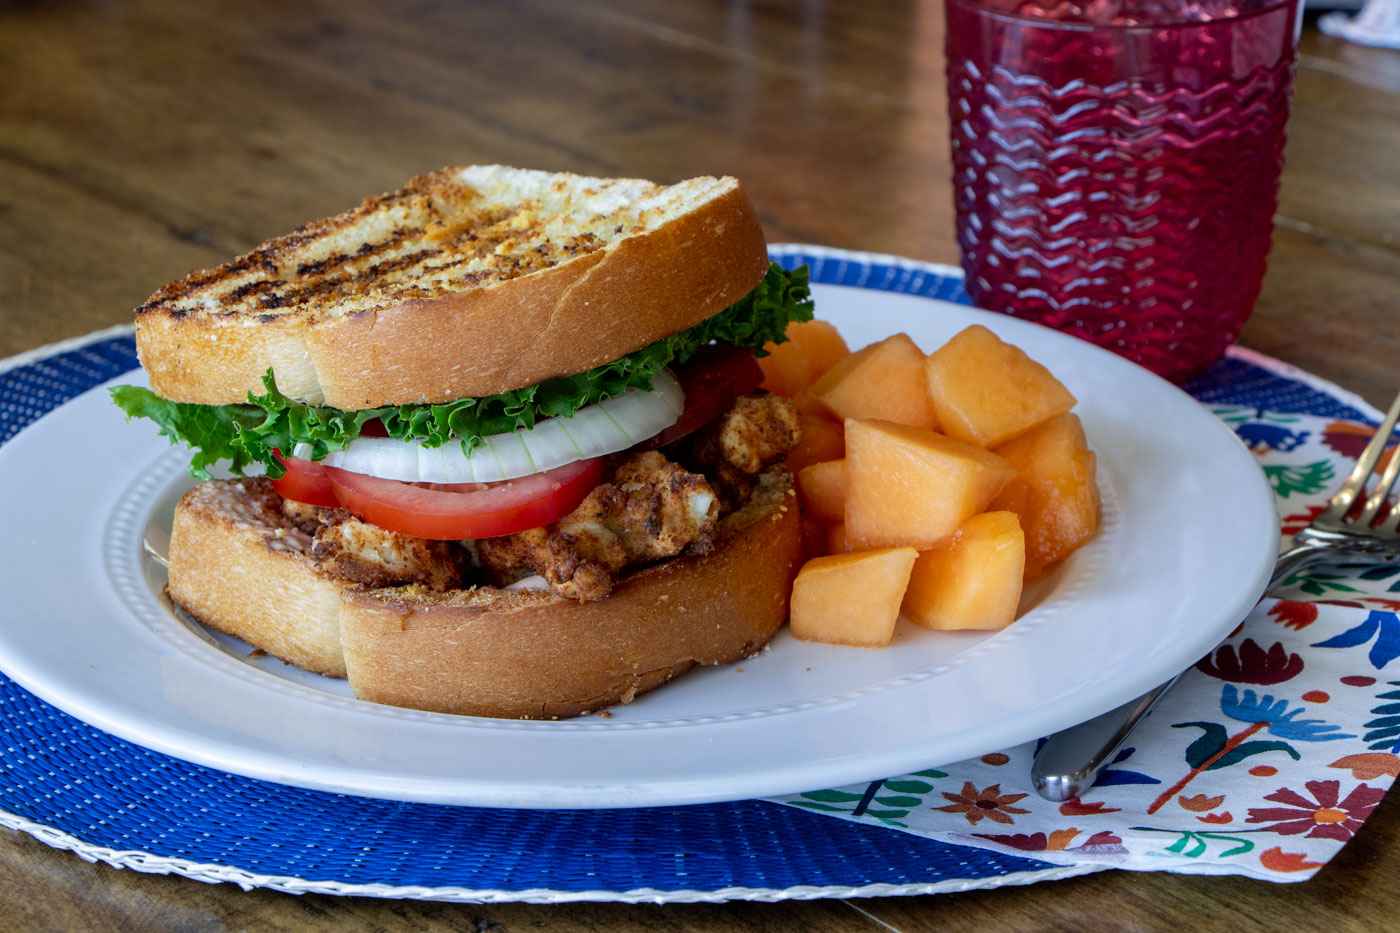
[851, 599]
[911, 487]
[823, 489]
[972, 582]
[985, 391]
[819, 439]
[1055, 491]
[885, 380]
[809, 406]
[836, 542]
[811, 349]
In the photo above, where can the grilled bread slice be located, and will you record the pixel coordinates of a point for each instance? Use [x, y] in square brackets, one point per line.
[465, 282]
[238, 565]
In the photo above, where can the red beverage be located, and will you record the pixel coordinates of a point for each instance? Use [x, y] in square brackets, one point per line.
[1116, 165]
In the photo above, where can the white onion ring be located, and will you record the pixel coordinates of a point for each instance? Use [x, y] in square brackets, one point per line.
[604, 428]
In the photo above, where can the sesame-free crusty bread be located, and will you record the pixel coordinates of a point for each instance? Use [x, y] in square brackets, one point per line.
[484, 651]
[465, 282]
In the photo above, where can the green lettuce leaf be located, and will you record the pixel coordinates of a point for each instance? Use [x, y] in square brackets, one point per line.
[247, 433]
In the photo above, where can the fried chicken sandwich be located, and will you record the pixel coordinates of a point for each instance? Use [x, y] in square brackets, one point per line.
[496, 440]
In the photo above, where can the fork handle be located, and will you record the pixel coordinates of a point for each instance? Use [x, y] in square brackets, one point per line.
[1070, 760]
[1293, 558]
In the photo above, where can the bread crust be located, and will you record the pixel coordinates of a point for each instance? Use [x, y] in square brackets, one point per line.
[486, 652]
[515, 330]
[235, 567]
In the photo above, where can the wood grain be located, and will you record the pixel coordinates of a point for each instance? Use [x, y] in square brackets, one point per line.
[141, 140]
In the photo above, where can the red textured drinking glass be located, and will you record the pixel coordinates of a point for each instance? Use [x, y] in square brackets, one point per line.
[1116, 165]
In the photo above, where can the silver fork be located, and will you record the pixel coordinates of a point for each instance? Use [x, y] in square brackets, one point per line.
[1070, 760]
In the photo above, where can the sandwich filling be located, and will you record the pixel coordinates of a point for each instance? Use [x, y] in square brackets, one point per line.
[651, 505]
[578, 506]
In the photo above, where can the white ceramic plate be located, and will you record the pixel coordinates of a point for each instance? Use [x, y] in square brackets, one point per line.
[1187, 541]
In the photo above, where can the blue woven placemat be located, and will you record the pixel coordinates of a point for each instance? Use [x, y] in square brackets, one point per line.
[79, 788]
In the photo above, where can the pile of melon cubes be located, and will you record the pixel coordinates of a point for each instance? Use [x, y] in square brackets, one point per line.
[931, 485]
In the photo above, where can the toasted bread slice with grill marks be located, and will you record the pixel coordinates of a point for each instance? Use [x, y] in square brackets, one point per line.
[465, 282]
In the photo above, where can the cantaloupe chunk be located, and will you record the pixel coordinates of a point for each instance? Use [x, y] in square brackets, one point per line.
[974, 581]
[911, 487]
[1055, 491]
[985, 391]
[809, 406]
[811, 349]
[820, 439]
[885, 380]
[823, 489]
[851, 599]
[836, 542]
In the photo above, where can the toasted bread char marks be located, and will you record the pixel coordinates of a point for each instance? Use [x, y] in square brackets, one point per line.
[465, 282]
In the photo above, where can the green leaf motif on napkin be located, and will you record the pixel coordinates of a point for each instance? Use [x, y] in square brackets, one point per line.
[1194, 845]
[891, 809]
[1317, 583]
[1300, 480]
[1384, 730]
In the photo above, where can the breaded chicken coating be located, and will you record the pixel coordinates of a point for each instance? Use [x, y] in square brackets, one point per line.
[759, 430]
[349, 549]
[652, 509]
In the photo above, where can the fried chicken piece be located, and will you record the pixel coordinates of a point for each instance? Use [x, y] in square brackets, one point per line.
[306, 517]
[659, 509]
[759, 430]
[652, 509]
[508, 558]
[347, 548]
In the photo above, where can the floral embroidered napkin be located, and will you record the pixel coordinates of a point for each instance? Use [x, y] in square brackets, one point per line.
[1266, 757]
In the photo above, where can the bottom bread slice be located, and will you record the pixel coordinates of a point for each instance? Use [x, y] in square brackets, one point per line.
[484, 651]
[237, 565]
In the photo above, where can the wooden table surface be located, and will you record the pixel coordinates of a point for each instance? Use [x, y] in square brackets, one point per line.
[140, 140]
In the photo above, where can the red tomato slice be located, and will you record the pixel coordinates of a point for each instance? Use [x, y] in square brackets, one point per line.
[305, 481]
[711, 380]
[466, 510]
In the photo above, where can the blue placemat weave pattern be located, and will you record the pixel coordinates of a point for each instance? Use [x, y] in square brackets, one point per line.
[105, 793]
[30, 390]
[64, 774]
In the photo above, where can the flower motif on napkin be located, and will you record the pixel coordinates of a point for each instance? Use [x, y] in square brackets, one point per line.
[1294, 615]
[1251, 664]
[1324, 816]
[1101, 843]
[989, 803]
